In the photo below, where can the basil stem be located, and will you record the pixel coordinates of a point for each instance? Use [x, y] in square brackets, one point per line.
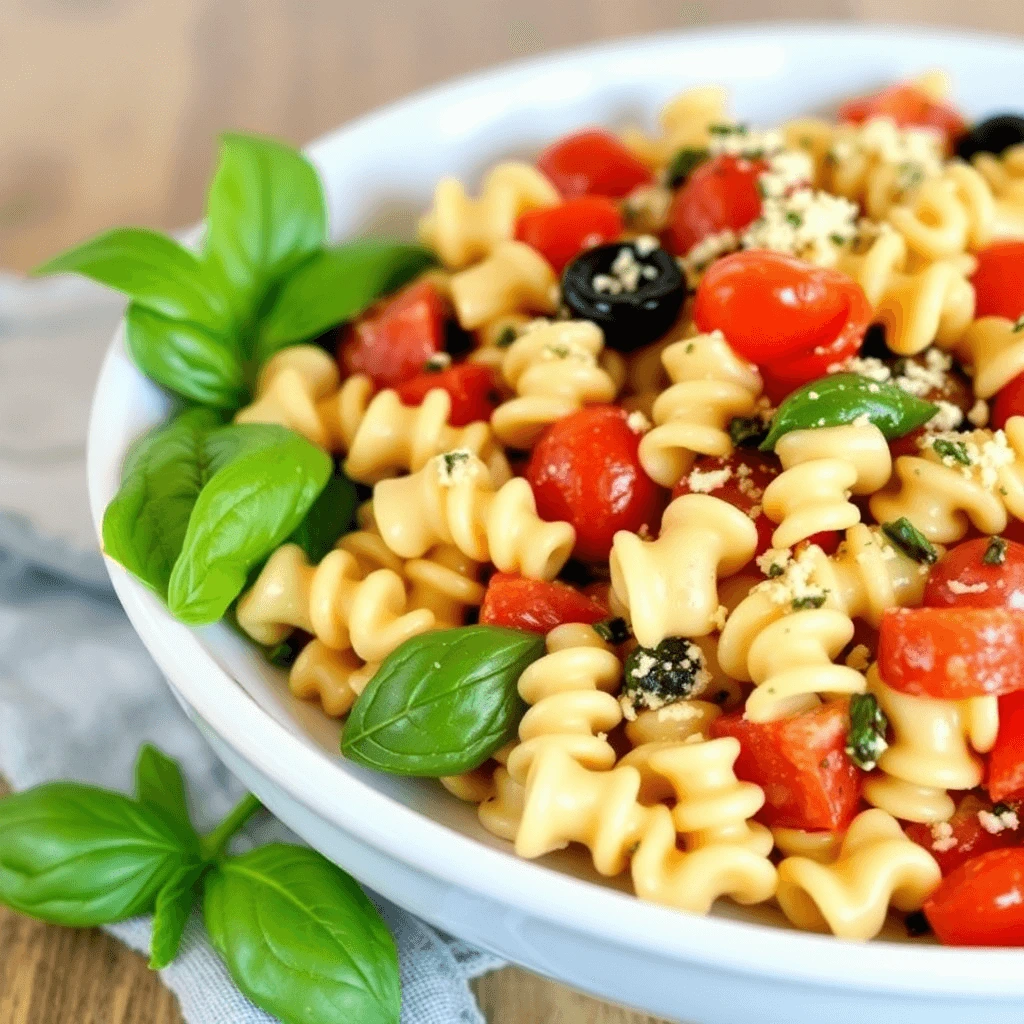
[910, 540]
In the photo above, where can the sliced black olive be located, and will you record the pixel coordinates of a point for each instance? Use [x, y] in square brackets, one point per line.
[633, 291]
[671, 672]
[993, 135]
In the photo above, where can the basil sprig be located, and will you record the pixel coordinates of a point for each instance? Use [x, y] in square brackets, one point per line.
[442, 703]
[201, 324]
[844, 397]
[297, 934]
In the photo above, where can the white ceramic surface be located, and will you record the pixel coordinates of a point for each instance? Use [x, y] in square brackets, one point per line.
[407, 838]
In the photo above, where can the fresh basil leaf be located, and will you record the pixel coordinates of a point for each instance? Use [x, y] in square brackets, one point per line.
[328, 518]
[80, 856]
[160, 787]
[442, 703]
[844, 397]
[144, 525]
[865, 741]
[186, 359]
[336, 285]
[246, 510]
[300, 938]
[174, 903]
[154, 271]
[266, 214]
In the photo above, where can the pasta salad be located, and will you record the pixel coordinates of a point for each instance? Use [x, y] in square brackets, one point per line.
[664, 501]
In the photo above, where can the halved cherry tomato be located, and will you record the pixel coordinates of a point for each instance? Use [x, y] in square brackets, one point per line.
[393, 341]
[909, 108]
[534, 605]
[982, 902]
[968, 839]
[720, 194]
[1006, 762]
[469, 385]
[560, 233]
[593, 163]
[952, 653]
[997, 281]
[801, 764]
[585, 470]
[962, 579]
[1009, 402]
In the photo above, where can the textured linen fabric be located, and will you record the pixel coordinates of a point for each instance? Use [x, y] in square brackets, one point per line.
[78, 692]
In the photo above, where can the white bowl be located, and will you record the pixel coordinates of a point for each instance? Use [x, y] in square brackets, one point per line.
[407, 838]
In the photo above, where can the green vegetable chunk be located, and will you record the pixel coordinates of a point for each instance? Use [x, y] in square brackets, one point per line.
[995, 551]
[675, 670]
[683, 163]
[865, 742]
[442, 703]
[844, 397]
[910, 540]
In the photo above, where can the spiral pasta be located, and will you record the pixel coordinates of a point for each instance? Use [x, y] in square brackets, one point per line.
[1005, 172]
[877, 867]
[554, 370]
[444, 582]
[453, 500]
[333, 678]
[670, 585]
[994, 347]
[462, 230]
[684, 122]
[710, 386]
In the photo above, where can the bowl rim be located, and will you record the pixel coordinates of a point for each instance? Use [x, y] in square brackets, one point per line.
[312, 778]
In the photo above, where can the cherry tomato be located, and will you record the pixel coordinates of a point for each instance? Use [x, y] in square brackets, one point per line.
[1006, 761]
[534, 605]
[801, 764]
[952, 653]
[394, 340]
[560, 233]
[721, 193]
[982, 902]
[470, 386]
[969, 838]
[909, 108]
[962, 579]
[998, 280]
[1009, 402]
[585, 470]
[593, 163]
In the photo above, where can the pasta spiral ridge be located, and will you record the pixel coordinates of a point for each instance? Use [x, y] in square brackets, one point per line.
[334, 678]
[877, 867]
[684, 121]
[994, 348]
[444, 582]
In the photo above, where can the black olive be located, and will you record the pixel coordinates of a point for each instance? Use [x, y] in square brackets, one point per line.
[993, 135]
[632, 292]
[671, 672]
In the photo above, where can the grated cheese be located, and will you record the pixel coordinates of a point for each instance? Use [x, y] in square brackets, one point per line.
[994, 823]
[943, 839]
[956, 587]
[711, 480]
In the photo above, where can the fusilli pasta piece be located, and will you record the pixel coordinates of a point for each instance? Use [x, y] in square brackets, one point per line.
[684, 122]
[1005, 172]
[822, 846]
[994, 348]
[446, 583]
[334, 678]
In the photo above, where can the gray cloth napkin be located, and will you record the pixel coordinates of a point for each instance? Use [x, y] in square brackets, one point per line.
[78, 692]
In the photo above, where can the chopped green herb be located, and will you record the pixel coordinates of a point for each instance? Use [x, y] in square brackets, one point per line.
[452, 459]
[910, 540]
[865, 741]
[727, 129]
[285, 653]
[675, 670]
[683, 164]
[613, 631]
[1018, 325]
[951, 450]
[507, 337]
[837, 239]
[917, 924]
[810, 601]
[775, 570]
[995, 553]
[747, 431]
[689, 348]
[1000, 809]
[794, 218]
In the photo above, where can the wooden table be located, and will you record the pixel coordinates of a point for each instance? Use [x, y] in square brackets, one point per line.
[108, 111]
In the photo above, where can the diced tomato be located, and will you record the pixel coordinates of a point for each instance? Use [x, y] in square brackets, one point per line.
[560, 233]
[534, 605]
[393, 341]
[1006, 762]
[790, 318]
[982, 902]
[997, 281]
[909, 108]
[585, 470]
[470, 386]
[720, 194]
[962, 579]
[968, 839]
[801, 764]
[1009, 402]
[952, 653]
[593, 163]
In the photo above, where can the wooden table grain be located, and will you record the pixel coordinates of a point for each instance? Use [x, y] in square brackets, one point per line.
[108, 113]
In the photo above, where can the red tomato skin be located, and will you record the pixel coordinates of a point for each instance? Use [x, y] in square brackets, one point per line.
[470, 386]
[980, 904]
[585, 470]
[801, 764]
[952, 653]
[1006, 761]
[534, 605]
[562, 232]
[1004, 584]
[970, 838]
[909, 108]
[1009, 402]
[721, 193]
[997, 280]
[392, 342]
[593, 162]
